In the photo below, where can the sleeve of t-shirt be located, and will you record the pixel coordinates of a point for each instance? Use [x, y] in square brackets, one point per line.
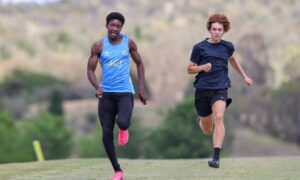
[195, 56]
[231, 48]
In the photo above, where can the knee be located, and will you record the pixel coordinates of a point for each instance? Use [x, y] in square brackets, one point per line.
[123, 124]
[218, 117]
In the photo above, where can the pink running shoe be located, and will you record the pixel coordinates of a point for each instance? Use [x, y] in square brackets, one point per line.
[118, 176]
[123, 137]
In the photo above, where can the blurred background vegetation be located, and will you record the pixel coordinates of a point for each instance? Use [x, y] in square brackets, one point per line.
[45, 94]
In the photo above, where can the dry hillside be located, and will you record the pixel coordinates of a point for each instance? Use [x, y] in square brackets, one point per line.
[56, 38]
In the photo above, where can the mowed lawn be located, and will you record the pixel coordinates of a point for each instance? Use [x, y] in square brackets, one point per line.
[283, 168]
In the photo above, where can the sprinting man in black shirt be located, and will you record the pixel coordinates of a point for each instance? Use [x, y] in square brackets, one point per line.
[209, 60]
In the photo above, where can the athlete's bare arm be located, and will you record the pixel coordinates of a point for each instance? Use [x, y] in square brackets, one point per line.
[92, 65]
[236, 65]
[192, 68]
[140, 70]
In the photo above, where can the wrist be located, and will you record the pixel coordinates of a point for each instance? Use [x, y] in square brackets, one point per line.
[200, 68]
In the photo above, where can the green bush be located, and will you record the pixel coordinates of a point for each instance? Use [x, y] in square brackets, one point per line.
[9, 151]
[63, 37]
[179, 135]
[135, 148]
[50, 130]
[91, 146]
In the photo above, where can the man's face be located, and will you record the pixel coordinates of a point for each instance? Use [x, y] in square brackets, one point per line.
[216, 31]
[114, 28]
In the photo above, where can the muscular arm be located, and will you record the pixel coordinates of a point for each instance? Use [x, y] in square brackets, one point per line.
[236, 65]
[140, 70]
[92, 65]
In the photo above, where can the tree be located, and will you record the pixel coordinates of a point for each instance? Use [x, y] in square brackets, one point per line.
[56, 101]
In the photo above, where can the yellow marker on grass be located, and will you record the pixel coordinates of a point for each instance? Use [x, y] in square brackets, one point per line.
[38, 150]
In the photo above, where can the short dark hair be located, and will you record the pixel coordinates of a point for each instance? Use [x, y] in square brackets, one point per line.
[115, 15]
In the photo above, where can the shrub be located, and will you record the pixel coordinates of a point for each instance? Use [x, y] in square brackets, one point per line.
[91, 146]
[50, 130]
[8, 139]
[179, 135]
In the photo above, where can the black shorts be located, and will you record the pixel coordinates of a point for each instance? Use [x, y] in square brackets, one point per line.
[205, 98]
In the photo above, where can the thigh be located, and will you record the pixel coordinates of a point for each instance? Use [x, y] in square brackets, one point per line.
[202, 103]
[124, 105]
[219, 103]
[218, 109]
[107, 110]
[219, 95]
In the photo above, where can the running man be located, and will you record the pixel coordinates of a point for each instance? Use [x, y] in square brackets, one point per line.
[115, 92]
[209, 60]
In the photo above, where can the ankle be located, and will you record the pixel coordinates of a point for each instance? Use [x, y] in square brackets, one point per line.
[217, 152]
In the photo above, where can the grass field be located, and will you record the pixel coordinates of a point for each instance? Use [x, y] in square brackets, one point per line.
[283, 168]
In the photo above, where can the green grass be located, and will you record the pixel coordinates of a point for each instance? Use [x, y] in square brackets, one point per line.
[283, 168]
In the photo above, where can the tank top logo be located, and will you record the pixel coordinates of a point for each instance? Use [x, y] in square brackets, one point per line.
[105, 53]
[115, 63]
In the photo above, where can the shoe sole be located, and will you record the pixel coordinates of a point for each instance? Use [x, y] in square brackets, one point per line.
[213, 165]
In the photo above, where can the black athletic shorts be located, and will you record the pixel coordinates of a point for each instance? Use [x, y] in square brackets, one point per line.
[205, 98]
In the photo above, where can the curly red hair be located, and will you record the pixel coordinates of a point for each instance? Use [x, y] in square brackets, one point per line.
[218, 18]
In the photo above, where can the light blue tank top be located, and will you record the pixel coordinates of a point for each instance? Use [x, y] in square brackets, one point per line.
[115, 63]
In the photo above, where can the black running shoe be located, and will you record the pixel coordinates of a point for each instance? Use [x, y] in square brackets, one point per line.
[228, 102]
[214, 163]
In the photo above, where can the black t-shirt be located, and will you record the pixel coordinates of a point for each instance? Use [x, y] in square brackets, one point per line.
[218, 55]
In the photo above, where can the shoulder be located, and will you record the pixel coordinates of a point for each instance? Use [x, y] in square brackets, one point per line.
[201, 43]
[131, 43]
[97, 46]
[228, 44]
